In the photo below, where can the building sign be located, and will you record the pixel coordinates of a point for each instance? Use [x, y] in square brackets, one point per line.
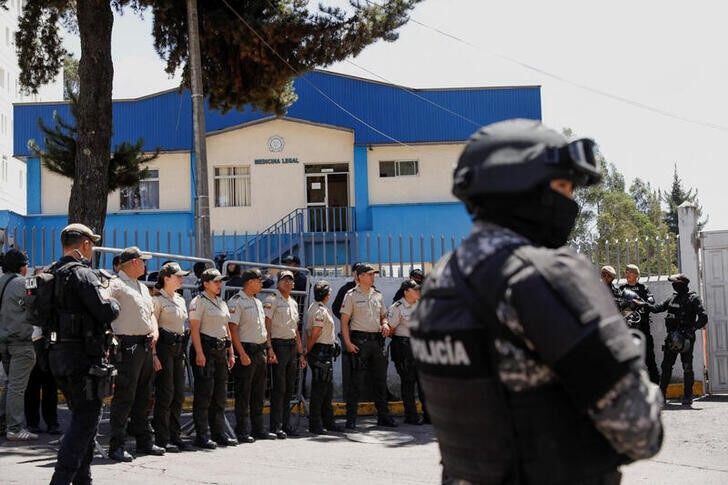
[274, 161]
[276, 143]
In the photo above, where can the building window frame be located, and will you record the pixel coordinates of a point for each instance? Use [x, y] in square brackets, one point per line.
[398, 168]
[141, 197]
[232, 185]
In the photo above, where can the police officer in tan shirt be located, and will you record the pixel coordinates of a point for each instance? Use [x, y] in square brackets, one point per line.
[136, 331]
[212, 356]
[363, 329]
[285, 352]
[250, 339]
[170, 310]
[320, 355]
[399, 318]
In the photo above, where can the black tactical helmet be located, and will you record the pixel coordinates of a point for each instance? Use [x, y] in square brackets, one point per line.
[519, 155]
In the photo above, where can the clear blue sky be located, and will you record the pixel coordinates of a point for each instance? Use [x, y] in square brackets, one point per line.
[667, 54]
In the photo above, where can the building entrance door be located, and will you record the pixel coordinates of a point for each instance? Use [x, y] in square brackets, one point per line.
[327, 198]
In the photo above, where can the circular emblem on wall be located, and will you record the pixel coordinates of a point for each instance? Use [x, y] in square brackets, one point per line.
[276, 143]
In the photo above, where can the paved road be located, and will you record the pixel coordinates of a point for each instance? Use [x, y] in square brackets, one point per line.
[695, 451]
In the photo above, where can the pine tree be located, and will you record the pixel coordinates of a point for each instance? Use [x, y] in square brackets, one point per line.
[675, 197]
[126, 166]
[238, 68]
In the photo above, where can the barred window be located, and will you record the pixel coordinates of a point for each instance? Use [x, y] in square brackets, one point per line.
[398, 168]
[232, 186]
[144, 196]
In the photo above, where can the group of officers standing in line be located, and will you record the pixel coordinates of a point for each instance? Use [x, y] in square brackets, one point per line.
[241, 336]
[685, 315]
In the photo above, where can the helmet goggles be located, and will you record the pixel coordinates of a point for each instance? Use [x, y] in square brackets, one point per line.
[578, 159]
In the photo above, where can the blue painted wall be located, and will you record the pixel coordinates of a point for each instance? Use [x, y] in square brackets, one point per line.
[33, 186]
[431, 218]
[164, 120]
[39, 236]
[361, 189]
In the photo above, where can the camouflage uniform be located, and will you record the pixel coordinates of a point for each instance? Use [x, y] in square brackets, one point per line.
[535, 346]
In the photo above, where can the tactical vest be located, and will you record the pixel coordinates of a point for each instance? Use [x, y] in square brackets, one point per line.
[486, 433]
[680, 314]
[76, 327]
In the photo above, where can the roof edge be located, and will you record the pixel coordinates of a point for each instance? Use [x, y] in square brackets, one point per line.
[402, 86]
[274, 118]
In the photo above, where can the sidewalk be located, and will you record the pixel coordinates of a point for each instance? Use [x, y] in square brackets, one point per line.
[695, 451]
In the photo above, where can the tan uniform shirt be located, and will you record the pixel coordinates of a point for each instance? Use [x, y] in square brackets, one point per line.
[364, 309]
[247, 313]
[320, 316]
[171, 311]
[283, 314]
[136, 309]
[213, 315]
[399, 317]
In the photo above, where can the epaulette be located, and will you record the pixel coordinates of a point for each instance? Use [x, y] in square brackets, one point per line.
[398, 303]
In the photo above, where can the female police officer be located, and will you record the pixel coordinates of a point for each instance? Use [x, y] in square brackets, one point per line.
[320, 354]
[213, 356]
[171, 312]
[404, 361]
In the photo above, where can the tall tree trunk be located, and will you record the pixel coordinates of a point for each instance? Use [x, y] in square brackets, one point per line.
[96, 74]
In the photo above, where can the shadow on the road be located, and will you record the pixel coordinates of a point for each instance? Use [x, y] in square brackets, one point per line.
[715, 398]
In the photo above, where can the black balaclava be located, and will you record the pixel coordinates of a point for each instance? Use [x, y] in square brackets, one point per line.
[679, 287]
[544, 216]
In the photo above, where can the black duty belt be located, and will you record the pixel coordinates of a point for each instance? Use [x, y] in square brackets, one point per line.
[325, 349]
[251, 347]
[401, 339]
[283, 341]
[170, 338]
[134, 339]
[364, 336]
[214, 343]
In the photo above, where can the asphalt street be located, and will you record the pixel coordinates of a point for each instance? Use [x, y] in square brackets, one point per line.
[695, 451]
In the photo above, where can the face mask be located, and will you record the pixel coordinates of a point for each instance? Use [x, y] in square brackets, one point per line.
[563, 213]
[544, 216]
[81, 257]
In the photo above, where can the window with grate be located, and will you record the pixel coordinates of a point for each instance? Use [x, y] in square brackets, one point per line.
[144, 196]
[398, 168]
[232, 186]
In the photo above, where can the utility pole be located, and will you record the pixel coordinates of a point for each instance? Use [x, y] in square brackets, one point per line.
[202, 199]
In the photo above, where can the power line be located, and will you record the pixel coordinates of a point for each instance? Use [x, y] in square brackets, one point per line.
[564, 80]
[307, 81]
[447, 110]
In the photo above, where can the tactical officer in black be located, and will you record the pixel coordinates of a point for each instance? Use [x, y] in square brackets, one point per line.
[78, 349]
[632, 274]
[530, 374]
[685, 315]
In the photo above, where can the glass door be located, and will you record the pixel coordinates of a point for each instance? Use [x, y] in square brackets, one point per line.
[316, 202]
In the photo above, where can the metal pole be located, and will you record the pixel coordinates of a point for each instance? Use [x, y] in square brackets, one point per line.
[202, 200]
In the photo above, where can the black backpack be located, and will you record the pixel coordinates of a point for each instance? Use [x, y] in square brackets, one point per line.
[40, 299]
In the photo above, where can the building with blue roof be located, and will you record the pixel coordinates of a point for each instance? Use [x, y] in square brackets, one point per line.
[353, 164]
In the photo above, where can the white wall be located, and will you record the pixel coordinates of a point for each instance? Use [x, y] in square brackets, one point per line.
[13, 182]
[276, 189]
[432, 184]
[174, 186]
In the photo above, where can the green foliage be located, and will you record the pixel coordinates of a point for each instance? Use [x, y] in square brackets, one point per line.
[71, 81]
[126, 166]
[237, 67]
[675, 197]
[617, 227]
